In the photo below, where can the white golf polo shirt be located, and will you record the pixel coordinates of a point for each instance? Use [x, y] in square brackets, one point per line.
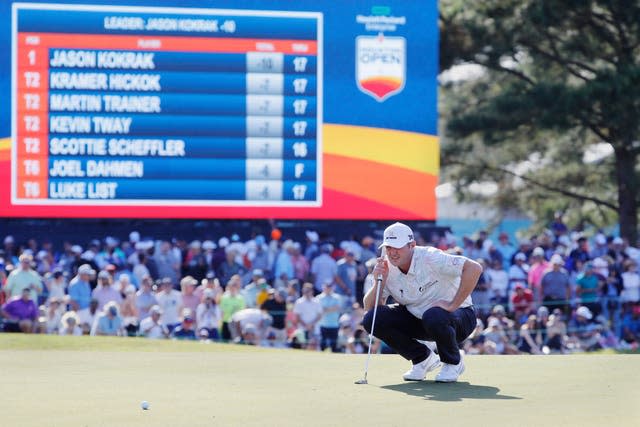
[433, 275]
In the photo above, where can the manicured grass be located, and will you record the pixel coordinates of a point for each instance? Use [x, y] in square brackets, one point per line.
[95, 381]
[86, 343]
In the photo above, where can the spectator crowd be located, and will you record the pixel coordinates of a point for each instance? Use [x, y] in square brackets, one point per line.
[555, 292]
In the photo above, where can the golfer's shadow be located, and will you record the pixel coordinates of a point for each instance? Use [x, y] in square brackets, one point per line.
[449, 392]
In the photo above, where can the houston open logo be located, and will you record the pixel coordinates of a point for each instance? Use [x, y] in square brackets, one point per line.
[380, 65]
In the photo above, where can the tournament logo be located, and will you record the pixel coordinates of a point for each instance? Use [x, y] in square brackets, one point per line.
[380, 65]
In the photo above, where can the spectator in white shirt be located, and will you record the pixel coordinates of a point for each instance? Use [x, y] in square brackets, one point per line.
[170, 301]
[152, 326]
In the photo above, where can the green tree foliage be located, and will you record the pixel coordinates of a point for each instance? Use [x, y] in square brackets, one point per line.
[560, 76]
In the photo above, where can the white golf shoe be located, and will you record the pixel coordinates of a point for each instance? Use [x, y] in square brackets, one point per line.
[420, 370]
[450, 373]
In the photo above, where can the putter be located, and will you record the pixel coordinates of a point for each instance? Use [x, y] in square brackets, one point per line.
[373, 324]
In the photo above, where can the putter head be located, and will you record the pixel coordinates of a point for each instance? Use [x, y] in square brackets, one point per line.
[362, 381]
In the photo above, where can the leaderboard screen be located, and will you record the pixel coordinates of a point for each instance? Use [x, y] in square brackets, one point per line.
[153, 110]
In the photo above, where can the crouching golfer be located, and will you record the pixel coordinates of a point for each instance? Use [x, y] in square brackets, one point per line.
[432, 291]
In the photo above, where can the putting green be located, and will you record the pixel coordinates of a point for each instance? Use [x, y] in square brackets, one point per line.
[93, 381]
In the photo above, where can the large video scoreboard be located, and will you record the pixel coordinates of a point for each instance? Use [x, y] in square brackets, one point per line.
[221, 112]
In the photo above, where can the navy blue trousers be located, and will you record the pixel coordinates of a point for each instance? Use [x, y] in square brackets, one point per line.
[400, 329]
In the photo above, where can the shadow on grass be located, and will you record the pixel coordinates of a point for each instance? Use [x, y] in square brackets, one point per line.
[449, 392]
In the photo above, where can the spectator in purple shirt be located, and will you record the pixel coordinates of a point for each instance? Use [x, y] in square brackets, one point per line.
[20, 313]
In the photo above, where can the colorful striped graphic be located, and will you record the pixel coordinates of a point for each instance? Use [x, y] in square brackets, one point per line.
[5, 151]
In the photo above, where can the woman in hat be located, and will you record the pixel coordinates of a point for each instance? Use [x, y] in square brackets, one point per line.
[69, 324]
[50, 322]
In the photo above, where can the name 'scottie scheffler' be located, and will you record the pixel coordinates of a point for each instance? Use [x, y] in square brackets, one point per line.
[432, 294]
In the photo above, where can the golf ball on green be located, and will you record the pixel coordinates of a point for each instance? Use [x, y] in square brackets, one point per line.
[144, 405]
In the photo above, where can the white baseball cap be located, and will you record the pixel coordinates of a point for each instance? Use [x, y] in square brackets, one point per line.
[208, 245]
[584, 312]
[557, 259]
[397, 235]
[86, 269]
